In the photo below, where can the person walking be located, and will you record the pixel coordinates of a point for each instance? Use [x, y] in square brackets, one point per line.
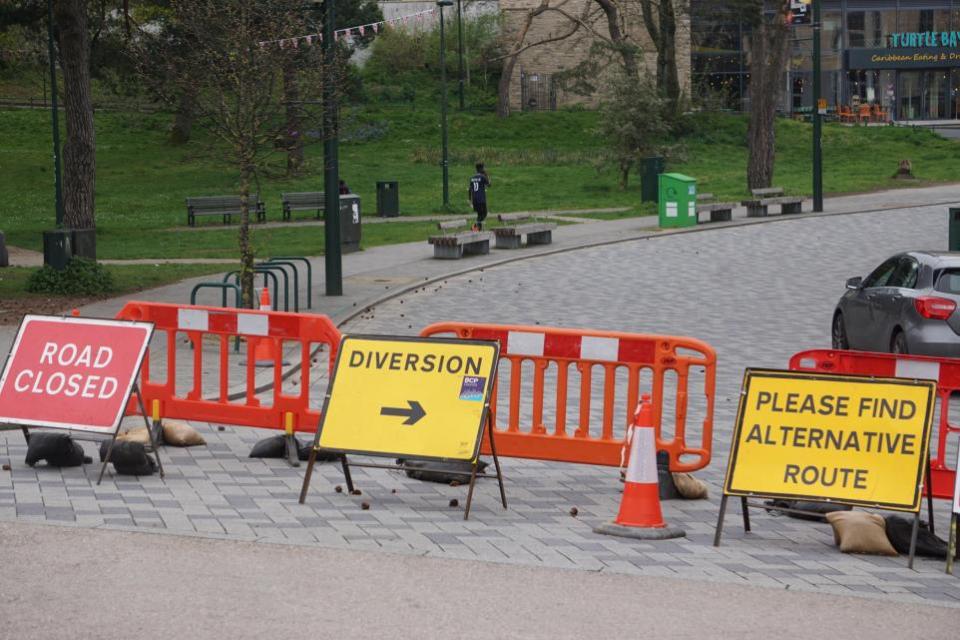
[477, 193]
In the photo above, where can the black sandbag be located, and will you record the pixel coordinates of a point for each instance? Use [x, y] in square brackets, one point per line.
[129, 458]
[817, 511]
[323, 455]
[929, 545]
[272, 447]
[58, 449]
[444, 472]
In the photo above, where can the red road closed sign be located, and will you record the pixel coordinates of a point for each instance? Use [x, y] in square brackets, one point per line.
[72, 373]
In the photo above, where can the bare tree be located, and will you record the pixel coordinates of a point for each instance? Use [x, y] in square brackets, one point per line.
[79, 148]
[660, 21]
[768, 50]
[233, 81]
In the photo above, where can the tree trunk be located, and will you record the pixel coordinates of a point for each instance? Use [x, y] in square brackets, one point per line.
[183, 120]
[79, 168]
[247, 294]
[768, 50]
[663, 33]
[294, 136]
[503, 87]
[625, 167]
[626, 50]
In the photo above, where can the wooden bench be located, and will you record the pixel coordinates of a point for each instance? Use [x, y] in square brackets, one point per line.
[225, 206]
[524, 224]
[303, 201]
[762, 198]
[453, 245]
[719, 211]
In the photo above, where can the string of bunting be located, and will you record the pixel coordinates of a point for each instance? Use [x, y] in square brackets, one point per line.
[375, 27]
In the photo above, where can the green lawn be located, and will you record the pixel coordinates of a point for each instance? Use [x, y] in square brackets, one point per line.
[536, 161]
[126, 278]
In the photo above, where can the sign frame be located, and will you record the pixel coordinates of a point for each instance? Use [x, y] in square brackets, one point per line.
[745, 504]
[486, 424]
[954, 517]
[131, 386]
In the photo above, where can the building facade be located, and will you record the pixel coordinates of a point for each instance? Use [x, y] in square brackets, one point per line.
[900, 57]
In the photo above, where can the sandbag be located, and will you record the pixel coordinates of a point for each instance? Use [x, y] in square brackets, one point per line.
[860, 532]
[272, 447]
[58, 449]
[181, 434]
[929, 545]
[437, 471]
[128, 458]
[138, 434]
[817, 511]
[323, 455]
[689, 487]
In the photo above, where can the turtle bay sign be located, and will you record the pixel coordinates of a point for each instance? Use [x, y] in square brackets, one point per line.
[910, 50]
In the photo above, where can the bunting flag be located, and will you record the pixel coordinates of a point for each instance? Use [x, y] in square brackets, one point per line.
[348, 32]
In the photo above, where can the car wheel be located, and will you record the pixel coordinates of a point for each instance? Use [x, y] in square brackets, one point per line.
[899, 343]
[838, 334]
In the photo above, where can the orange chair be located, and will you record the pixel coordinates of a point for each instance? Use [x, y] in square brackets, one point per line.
[864, 113]
[880, 114]
[844, 114]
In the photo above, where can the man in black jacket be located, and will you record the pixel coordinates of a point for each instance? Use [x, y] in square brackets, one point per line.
[478, 195]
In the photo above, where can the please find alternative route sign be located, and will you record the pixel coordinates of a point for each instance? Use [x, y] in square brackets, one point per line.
[408, 397]
[856, 440]
[71, 373]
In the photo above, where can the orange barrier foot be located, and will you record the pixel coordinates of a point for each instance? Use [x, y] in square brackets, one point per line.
[640, 515]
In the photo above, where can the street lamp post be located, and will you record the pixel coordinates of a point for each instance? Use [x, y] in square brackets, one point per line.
[460, 50]
[444, 163]
[333, 268]
[57, 180]
[817, 117]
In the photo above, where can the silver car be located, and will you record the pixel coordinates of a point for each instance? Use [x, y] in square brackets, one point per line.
[906, 305]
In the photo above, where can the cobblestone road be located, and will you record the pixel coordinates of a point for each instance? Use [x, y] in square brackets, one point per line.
[757, 294]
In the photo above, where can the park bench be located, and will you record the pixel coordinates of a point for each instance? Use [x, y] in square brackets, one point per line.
[719, 211]
[225, 206]
[303, 201]
[453, 245]
[762, 198]
[523, 224]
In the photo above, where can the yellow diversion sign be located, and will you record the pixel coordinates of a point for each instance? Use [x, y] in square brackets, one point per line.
[408, 397]
[855, 440]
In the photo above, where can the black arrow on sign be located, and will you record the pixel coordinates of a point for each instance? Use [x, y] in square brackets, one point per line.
[412, 415]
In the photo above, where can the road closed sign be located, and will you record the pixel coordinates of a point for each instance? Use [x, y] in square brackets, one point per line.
[856, 440]
[408, 397]
[73, 373]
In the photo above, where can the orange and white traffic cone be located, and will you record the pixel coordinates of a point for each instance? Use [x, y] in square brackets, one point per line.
[640, 515]
[264, 354]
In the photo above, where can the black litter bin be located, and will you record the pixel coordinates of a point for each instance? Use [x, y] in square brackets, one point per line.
[388, 199]
[57, 248]
[651, 168]
[349, 223]
[954, 225]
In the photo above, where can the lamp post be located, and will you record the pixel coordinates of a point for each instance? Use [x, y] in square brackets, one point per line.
[333, 268]
[443, 105]
[460, 50]
[57, 181]
[817, 118]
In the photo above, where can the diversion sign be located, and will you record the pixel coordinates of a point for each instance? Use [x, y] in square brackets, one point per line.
[855, 440]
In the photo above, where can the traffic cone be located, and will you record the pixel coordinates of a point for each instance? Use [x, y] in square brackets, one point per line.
[640, 515]
[264, 354]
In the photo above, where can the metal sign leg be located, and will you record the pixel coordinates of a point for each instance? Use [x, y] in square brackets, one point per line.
[952, 544]
[106, 458]
[473, 481]
[929, 495]
[745, 507]
[723, 512]
[154, 440]
[26, 434]
[346, 472]
[306, 477]
[913, 539]
[496, 459]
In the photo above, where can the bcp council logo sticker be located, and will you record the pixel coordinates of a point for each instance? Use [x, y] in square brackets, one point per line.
[472, 388]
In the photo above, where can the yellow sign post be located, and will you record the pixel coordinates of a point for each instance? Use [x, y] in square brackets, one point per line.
[846, 439]
[408, 398]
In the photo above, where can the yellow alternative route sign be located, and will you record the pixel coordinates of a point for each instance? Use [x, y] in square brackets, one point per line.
[408, 397]
[849, 439]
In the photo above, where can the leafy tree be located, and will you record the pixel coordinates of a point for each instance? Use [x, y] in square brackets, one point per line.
[632, 122]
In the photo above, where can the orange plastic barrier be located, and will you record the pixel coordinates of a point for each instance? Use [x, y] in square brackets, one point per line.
[587, 351]
[284, 411]
[946, 371]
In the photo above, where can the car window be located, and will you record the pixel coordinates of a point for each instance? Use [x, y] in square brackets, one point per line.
[905, 275]
[882, 273]
[949, 281]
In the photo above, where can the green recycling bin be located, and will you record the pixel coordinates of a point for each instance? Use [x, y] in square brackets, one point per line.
[678, 200]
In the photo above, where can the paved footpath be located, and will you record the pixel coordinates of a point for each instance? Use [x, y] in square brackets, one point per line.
[757, 292]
